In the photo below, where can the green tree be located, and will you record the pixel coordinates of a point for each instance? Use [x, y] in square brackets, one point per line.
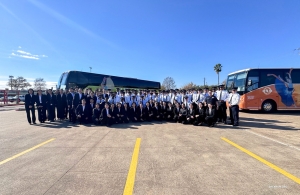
[218, 69]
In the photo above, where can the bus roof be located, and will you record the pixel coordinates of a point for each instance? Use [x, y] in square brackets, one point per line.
[256, 69]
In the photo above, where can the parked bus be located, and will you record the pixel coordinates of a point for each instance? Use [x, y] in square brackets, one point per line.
[85, 79]
[267, 89]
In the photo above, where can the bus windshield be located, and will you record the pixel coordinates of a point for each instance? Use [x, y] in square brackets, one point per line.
[237, 80]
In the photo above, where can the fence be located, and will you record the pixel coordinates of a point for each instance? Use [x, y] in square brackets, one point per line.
[9, 97]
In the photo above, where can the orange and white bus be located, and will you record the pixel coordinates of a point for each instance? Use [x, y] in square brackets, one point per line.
[267, 89]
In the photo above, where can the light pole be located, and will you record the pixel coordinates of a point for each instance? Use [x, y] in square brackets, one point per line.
[90, 69]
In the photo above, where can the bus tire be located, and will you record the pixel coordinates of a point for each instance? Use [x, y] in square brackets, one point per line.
[269, 106]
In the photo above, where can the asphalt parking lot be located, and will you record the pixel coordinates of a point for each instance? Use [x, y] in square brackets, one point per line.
[260, 157]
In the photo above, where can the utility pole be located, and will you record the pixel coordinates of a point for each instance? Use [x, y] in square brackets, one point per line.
[90, 69]
[204, 81]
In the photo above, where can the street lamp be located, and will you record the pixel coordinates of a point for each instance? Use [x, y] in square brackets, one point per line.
[90, 69]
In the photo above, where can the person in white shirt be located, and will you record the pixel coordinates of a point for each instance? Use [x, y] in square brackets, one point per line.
[233, 102]
[222, 96]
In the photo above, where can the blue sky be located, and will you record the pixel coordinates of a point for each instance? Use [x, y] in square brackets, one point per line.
[146, 39]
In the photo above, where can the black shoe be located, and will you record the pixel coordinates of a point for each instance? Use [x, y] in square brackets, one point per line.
[229, 123]
[225, 122]
[235, 125]
[34, 123]
[30, 124]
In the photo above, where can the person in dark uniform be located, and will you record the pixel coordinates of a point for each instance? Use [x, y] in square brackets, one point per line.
[169, 112]
[156, 112]
[211, 99]
[141, 112]
[29, 106]
[148, 112]
[200, 115]
[233, 102]
[176, 112]
[182, 114]
[70, 99]
[59, 106]
[105, 116]
[82, 112]
[119, 113]
[66, 109]
[96, 115]
[51, 103]
[134, 115]
[41, 101]
[210, 115]
[64, 103]
[190, 118]
[222, 96]
[126, 112]
[113, 113]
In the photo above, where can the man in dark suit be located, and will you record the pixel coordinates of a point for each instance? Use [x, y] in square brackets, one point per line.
[176, 111]
[164, 110]
[96, 115]
[200, 114]
[51, 103]
[182, 114]
[210, 115]
[82, 112]
[120, 113]
[156, 112]
[134, 114]
[141, 113]
[190, 118]
[91, 108]
[29, 106]
[148, 112]
[60, 105]
[106, 118]
[41, 104]
[70, 98]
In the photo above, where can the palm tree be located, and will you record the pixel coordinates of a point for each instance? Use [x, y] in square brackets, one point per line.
[218, 69]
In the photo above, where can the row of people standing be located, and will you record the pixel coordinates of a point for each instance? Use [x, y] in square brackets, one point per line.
[67, 102]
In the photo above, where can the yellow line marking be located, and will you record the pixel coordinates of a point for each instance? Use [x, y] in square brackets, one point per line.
[283, 172]
[26, 151]
[128, 190]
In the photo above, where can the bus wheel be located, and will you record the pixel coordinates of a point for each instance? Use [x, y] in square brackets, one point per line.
[268, 106]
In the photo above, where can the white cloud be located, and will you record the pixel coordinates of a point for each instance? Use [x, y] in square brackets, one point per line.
[27, 55]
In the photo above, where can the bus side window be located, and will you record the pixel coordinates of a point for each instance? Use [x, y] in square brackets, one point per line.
[254, 83]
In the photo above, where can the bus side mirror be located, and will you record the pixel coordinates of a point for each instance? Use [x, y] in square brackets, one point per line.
[249, 82]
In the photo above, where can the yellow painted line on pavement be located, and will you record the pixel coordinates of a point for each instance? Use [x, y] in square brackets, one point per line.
[26, 151]
[128, 190]
[276, 168]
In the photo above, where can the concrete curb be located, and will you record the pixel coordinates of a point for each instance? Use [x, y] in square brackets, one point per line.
[20, 109]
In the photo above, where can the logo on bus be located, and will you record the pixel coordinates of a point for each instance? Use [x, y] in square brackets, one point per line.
[267, 90]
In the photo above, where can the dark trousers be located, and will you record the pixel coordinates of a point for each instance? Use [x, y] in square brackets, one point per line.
[42, 114]
[83, 119]
[182, 119]
[222, 115]
[199, 119]
[51, 112]
[176, 118]
[158, 117]
[190, 120]
[234, 114]
[66, 111]
[133, 120]
[32, 114]
[60, 112]
[107, 121]
[210, 121]
[96, 120]
[71, 113]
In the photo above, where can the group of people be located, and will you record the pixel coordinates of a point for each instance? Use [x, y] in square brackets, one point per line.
[104, 107]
